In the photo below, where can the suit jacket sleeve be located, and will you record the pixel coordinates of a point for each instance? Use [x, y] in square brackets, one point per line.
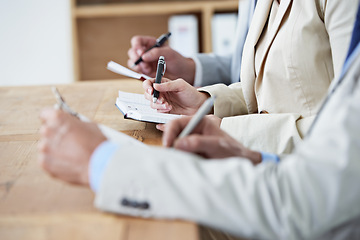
[307, 194]
[275, 133]
[212, 69]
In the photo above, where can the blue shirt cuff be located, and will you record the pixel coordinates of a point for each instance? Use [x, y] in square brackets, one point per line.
[98, 162]
[269, 157]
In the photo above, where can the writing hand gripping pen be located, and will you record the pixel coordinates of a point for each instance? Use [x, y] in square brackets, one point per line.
[159, 42]
[161, 67]
[199, 115]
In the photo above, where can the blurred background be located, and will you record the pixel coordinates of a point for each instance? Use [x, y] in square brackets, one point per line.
[62, 41]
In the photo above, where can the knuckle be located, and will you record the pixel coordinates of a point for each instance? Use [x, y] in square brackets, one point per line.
[194, 141]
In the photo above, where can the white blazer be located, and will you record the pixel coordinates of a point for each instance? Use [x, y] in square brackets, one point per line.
[304, 50]
[312, 194]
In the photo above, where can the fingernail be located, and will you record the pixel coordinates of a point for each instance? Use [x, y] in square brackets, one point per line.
[149, 91]
[139, 51]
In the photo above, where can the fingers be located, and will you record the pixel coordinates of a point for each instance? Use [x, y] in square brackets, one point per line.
[160, 127]
[47, 114]
[206, 146]
[148, 88]
[161, 108]
[172, 129]
[142, 42]
[171, 86]
[154, 54]
[139, 45]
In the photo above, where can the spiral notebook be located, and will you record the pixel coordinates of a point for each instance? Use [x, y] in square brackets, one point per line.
[136, 106]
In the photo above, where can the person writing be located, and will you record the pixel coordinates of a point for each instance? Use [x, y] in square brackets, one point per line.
[292, 52]
[310, 194]
[202, 69]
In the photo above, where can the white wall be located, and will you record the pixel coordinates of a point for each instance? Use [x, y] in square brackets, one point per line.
[35, 42]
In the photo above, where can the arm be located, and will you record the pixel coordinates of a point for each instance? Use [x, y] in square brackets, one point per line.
[275, 133]
[215, 68]
[212, 69]
[307, 194]
[339, 18]
[230, 100]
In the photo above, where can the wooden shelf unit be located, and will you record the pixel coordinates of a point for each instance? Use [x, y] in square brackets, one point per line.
[102, 32]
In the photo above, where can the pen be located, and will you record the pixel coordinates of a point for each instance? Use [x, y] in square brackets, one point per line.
[194, 121]
[161, 67]
[61, 104]
[159, 42]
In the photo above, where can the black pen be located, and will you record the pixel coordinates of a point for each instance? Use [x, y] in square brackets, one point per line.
[159, 42]
[161, 67]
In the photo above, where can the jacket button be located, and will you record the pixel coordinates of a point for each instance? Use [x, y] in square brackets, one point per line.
[144, 205]
[134, 204]
[125, 202]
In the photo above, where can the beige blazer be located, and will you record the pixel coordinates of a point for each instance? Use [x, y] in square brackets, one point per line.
[311, 194]
[305, 49]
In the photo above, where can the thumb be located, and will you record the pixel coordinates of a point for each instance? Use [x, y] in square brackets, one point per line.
[155, 53]
[170, 86]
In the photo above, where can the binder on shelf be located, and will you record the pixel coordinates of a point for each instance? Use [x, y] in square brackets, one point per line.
[184, 30]
[223, 29]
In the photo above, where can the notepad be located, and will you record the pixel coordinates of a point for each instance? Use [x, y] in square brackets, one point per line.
[137, 107]
[119, 69]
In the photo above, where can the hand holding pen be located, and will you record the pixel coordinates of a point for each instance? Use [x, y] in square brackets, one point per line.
[61, 104]
[159, 42]
[161, 67]
[199, 115]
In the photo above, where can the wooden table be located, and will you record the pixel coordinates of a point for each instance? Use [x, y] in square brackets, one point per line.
[35, 206]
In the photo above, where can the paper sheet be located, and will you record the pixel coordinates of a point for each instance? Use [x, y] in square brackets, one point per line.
[117, 68]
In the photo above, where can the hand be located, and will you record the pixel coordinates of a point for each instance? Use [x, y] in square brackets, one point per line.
[216, 120]
[207, 140]
[177, 66]
[66, 145]
[177, 96]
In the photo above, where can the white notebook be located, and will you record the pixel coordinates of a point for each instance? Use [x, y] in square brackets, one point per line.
[137, 107]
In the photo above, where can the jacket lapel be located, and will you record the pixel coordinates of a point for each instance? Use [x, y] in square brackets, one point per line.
[258, 21]
[283, 9]
[247, 67]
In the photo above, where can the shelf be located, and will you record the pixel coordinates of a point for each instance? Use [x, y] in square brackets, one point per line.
[102, 32]
[156, 8]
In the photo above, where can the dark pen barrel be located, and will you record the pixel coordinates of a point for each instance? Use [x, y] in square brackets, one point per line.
[159, 73]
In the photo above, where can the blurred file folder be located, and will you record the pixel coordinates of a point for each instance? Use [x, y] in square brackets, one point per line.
[223, 29]
[184, 30]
